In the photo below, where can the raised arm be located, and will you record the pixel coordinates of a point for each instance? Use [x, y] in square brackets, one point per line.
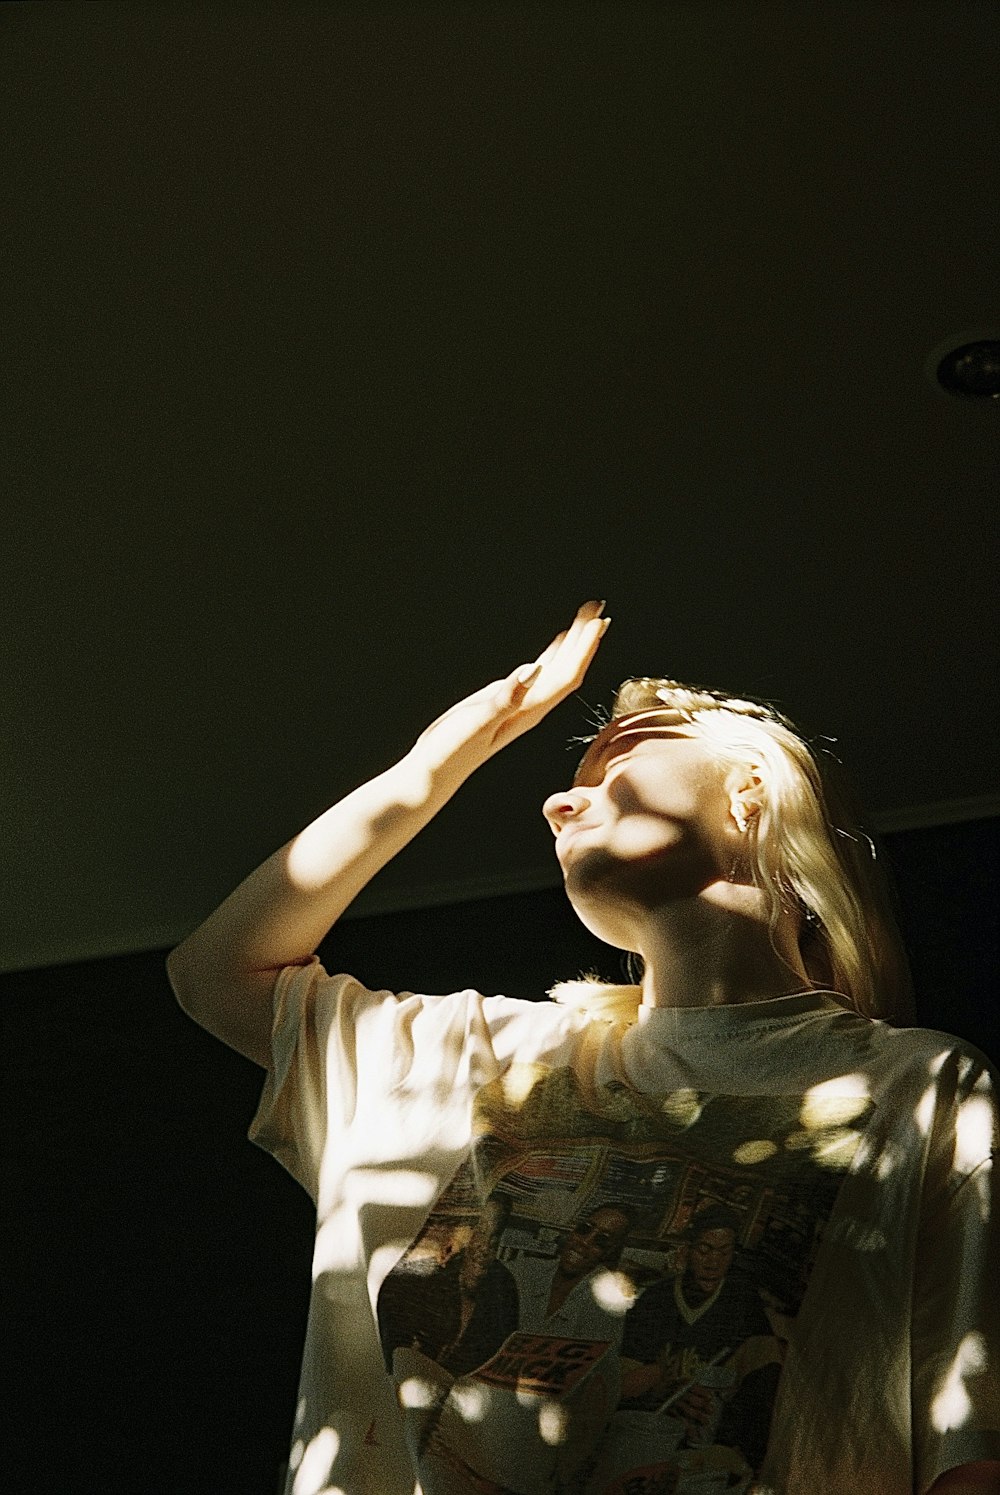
[223, 974]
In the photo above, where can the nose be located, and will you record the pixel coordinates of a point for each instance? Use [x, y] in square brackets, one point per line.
[559, 808]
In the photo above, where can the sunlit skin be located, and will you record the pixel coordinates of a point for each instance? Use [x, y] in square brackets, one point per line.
[654, 860]
[648, 841]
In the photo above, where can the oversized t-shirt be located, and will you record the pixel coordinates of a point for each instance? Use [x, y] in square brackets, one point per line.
[607, 1249]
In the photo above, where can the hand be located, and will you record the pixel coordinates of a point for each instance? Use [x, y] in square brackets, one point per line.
[469, 733]
[696, 1407]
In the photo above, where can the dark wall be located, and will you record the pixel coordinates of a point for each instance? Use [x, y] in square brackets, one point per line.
[160, 1263]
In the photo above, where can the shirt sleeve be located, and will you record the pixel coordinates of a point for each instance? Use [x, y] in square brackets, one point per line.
[290, 1121]
[955, 1326]
[331, 1037]
[334, 1042]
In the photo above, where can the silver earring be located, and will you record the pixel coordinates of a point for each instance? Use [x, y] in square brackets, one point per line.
[740, 816]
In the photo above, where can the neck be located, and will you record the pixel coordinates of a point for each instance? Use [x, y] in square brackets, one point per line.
[716, 950]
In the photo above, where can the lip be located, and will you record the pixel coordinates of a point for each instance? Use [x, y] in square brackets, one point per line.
[567, 838]
[570, 827]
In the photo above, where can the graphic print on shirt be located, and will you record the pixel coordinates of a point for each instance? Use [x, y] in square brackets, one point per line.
[601, 1300]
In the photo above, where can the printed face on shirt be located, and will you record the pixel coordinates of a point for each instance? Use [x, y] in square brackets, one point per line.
[481, 1247]
[593, 1242]
[664, 1195]
[710, 1258]
[646, 820]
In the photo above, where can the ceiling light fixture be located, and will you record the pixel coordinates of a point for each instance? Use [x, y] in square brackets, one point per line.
[967, 365]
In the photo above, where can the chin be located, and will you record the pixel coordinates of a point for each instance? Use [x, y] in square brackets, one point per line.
[601, 913]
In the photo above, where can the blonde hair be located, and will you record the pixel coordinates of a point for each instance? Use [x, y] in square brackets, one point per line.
[809, 853]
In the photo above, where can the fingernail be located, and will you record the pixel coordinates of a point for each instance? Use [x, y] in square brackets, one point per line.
[529, 673]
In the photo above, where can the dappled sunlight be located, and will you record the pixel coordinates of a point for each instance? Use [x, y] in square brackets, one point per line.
[973, 1133]
[755, 1152]
[888, 1160]
[553, 1423]
[385, 1257]
[518, 1082]
[313, 1471]
[308, 862]
[337, 1243]
[469, 1401]
[315, 854]
[923, 1113]
[615, 1292]
[683, 1107]
[974, 1128]
[927, 1104]
[952, 1404]
[836, 1102]
[826, 1110]
[402, 1188]
[545, 1265]
[417, 1395]
[833, 1148]
[338, 1239]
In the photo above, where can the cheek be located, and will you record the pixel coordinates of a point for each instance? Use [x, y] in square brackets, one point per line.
[686, 789]
[656, 811]
[645, 834]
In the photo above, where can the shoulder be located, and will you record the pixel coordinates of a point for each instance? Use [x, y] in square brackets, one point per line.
[657, 1293]
[949, 1063]
[342, 1010]
[927, 1053]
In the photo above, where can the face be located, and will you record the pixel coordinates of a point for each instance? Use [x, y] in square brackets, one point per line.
[595, 1240]
[710, 1257]
[647, 821]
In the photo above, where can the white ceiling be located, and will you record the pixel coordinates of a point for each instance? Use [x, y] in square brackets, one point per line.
[348, 348]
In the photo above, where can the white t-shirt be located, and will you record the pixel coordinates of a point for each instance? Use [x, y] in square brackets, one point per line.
[591, 1309]
[791, 1214]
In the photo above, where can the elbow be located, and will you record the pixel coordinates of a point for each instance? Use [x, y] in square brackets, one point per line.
[174, 975]
[180, 976]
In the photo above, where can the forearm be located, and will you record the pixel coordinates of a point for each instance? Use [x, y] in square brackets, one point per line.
[223, 974]
[280, 913]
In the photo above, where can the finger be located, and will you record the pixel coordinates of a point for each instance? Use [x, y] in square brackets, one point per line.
[594, 631]
[567, 662]
[564, 668]
[582, 652]
[560, 667]
[587, 610]
[523, 680]
[584, 614]
[552, 649]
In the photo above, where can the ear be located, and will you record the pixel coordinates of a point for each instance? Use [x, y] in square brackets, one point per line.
[745, 788]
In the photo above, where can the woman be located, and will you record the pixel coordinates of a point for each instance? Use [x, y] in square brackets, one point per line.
[848, 1339]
